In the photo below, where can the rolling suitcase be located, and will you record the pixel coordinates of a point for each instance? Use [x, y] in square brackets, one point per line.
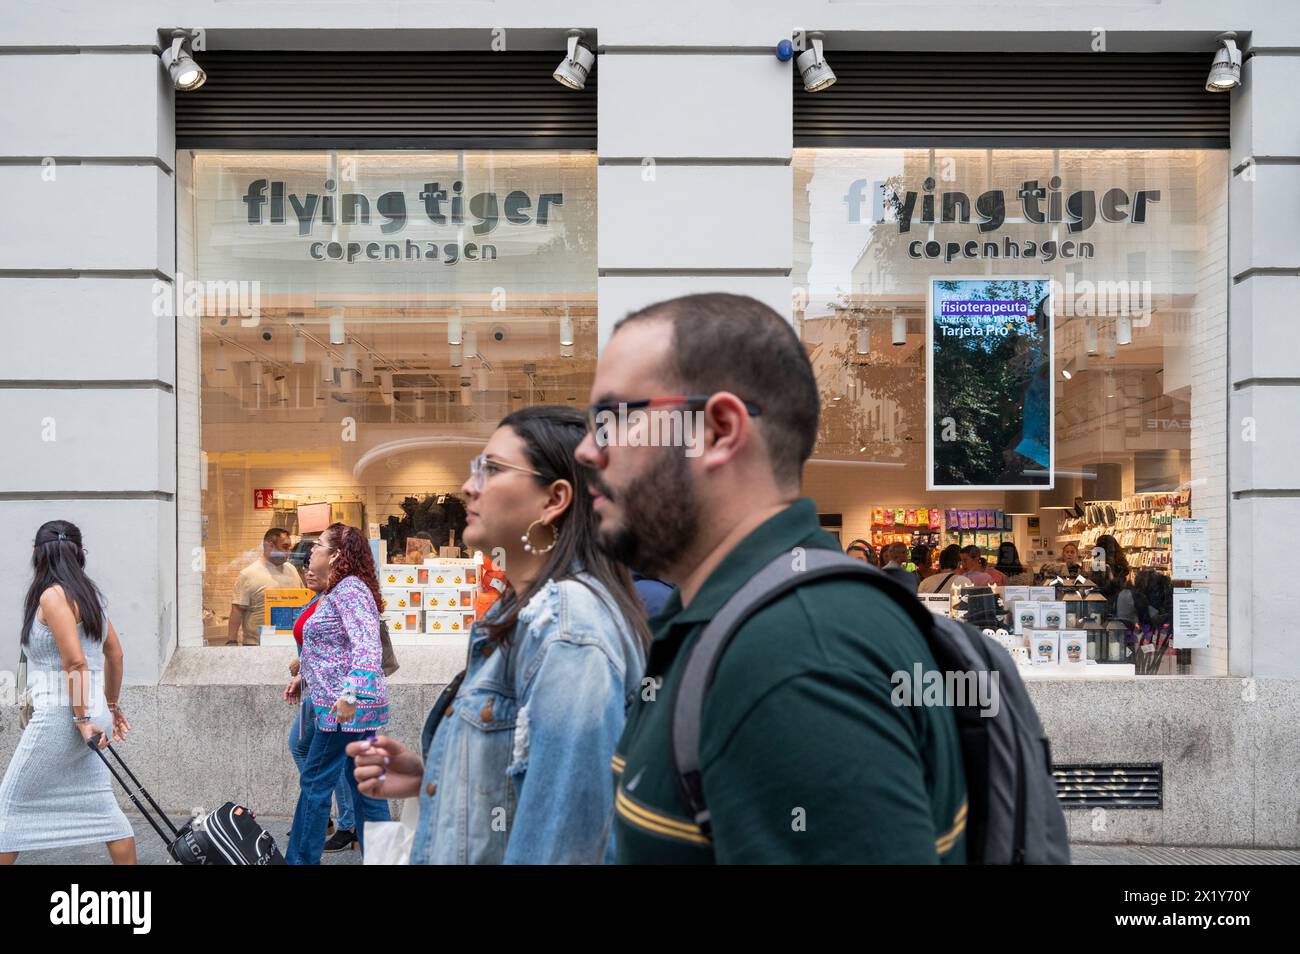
[230, 835]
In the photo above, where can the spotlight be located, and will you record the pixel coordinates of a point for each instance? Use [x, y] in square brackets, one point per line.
[186, 75]
[299, 355]
[576, 65]
[338, 333]
[220, 363]
[864, 338]
[1124, 330]
[566, 330]
[899, 329]
[1225, 72]
[816, 73]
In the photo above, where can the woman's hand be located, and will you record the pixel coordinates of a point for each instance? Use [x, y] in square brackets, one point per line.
[293, 691]
[120, 726]
[88, 732]
[386, 768]
[345, 711]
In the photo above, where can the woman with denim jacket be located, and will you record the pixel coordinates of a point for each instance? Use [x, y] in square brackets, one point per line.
[517, 770]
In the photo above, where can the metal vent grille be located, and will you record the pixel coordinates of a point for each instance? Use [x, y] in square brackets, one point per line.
[1110, 786]
[385, 100]
[1148, 100]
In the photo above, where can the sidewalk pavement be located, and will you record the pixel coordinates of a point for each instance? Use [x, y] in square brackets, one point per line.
[150, 850]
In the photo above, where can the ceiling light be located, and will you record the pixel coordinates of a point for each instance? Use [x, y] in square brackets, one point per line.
[816, 73]
[338, 333]
[566, 329]
[1124, 330]
[864, 337]
[219, 363]
[419, 405]
[1090, 336]
[457, 358]
[576, 65]
[454, 329]
[1225, 72]
[299, 350]
[186, 75]
[326, 370]
[899, 324]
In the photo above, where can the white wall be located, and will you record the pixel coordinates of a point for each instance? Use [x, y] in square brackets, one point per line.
[87, 412]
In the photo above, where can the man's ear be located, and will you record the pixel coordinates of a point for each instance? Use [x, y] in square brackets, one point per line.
[728, 429]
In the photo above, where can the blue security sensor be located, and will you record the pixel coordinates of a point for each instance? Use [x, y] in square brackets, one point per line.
[784, 50]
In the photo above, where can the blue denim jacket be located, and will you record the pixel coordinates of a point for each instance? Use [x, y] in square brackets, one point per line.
[519, 767]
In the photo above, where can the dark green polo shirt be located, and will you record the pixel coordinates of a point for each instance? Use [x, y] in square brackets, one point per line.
[804, 756]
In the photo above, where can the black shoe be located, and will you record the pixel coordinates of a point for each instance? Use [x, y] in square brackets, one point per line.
[343, 840]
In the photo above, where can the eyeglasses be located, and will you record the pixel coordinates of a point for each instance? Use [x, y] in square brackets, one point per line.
[614, 407]
[482, 467]
[322, 545]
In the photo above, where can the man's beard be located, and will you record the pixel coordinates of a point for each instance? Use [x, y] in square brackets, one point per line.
[661, 516]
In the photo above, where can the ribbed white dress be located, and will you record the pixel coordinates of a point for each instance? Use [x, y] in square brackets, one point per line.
[56, 792]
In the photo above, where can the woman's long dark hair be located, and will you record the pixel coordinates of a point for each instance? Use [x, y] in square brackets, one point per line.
[57, 560]
[551, 434]
[1009, 559]
[354, 559]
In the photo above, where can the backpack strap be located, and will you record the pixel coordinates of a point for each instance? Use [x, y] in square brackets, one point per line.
[780, 576]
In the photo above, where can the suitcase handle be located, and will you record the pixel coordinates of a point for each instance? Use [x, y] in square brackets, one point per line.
[93, 744]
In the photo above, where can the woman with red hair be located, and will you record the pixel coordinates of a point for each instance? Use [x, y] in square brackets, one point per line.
[342, 668]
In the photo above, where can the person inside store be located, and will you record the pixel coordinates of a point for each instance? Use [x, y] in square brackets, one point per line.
[799, 706]
[862, 550]
[342, 837]
[949, 575]
[1011, 568]
[345, 689]
[1067, 567]
[270, 571]
[1109, 569]
[514, 762]
[920, 562]
[896, 564]
[972, 566]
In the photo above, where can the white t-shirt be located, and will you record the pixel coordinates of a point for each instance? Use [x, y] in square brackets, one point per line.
[250, 589]
[933, 582]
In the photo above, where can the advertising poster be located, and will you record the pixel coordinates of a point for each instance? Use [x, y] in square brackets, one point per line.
[990, 403]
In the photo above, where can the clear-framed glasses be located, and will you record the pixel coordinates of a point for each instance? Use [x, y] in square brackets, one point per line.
[482, 467]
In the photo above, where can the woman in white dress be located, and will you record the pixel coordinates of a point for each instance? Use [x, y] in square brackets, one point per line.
[56, 792]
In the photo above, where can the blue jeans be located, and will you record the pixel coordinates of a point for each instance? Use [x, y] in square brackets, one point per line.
[342, 794]
[326, 757]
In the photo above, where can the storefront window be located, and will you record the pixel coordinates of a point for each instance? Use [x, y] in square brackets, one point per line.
[352, 325]
[1028, 346]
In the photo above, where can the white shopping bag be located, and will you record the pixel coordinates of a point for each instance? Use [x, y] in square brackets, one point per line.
[389, 843]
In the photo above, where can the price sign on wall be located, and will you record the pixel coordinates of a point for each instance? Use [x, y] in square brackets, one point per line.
[264, 498]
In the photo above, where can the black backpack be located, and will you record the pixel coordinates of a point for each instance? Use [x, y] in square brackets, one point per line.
[1014, 816]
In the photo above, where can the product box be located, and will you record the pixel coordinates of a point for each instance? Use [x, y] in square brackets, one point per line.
[1042, 593]
[441, 599]
[1025, 616]
[1051, 615]
[409, 621]
[399, 575]
[282, 607]
[398, 599]
[1014, 594]
[1074, 648]
[451, 573]
[1044, 646]
[448, 623]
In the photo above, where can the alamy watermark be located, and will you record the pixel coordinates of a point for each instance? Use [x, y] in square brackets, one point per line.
[922, 687]
[653, 427]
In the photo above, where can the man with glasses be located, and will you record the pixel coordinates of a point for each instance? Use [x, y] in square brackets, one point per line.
[803, 755]
[270, 571]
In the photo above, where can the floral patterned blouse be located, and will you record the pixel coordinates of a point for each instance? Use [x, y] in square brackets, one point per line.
[341, 651]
